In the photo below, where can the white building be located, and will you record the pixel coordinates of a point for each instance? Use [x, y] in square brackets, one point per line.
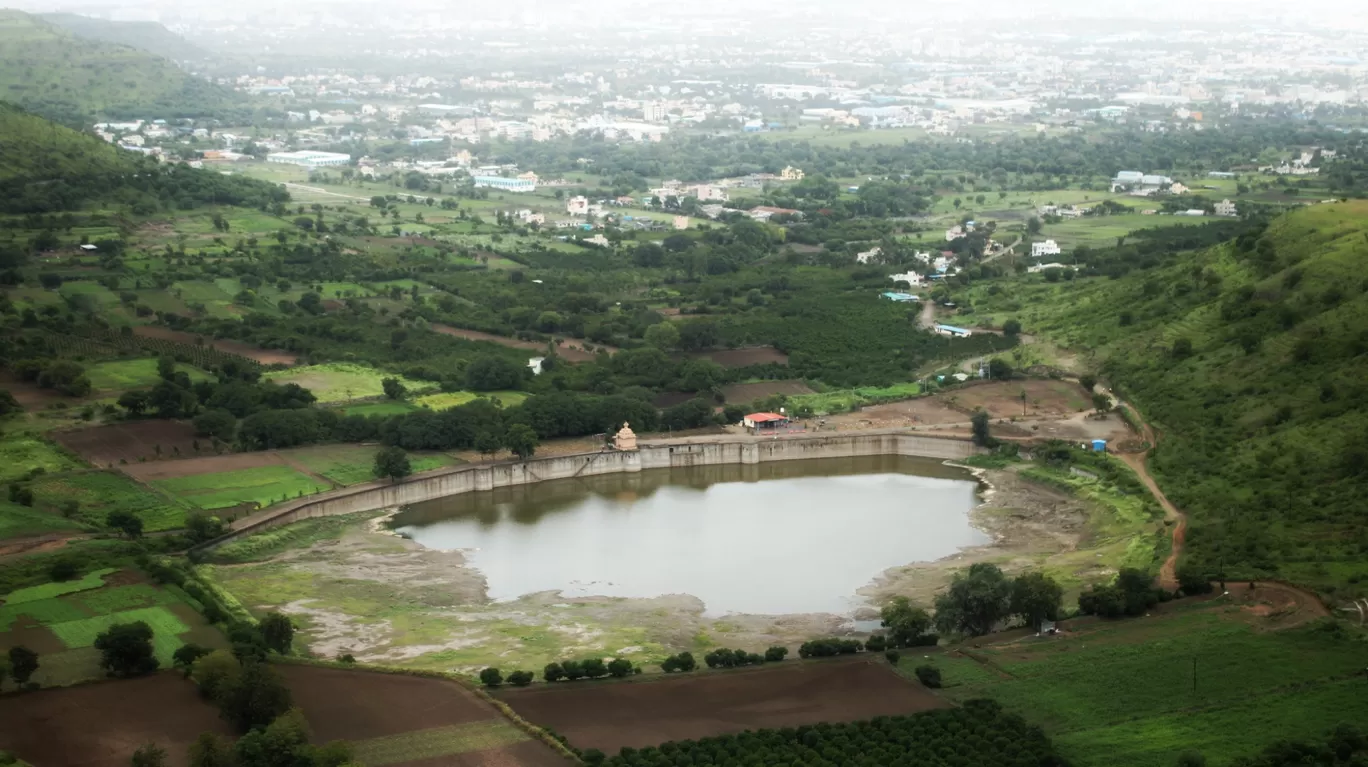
[1226, 208]
[911, 278]
[577, 206]
[868, 255]
[654, 112]
[708, 192]
[681, 222]
[954, 233]
[1046, 248]
[1043, 267]
[309, 159]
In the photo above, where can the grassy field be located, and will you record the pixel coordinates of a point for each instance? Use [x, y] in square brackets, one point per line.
[277, 540]
[379, 408]
[60, 621]
[121, 375]
[436, 742]
[843, 400]
[263, 486]
[351, 464]
[1135, 693]
[1100, 231]
[21, 453]
[99, 492]
[343, 382]
[445, 400]
[18, 521]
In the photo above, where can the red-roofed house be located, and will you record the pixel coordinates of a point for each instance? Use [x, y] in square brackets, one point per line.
[761, 421]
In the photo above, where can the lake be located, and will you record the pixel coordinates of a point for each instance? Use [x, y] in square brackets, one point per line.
[769, 539]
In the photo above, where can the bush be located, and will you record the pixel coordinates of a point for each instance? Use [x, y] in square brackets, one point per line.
[876, 643]
[619, 667]
[826, 648]
[775, 654]
[553, 672]
[62, 570]
[594, 668]
[681, 662]
[892, 656]
[573, 670]
[929, 676]
[491, 677]
[520, 678]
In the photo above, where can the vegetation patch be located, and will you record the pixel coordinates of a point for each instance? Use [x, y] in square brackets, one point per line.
[19, 521]
[98, 493]
[262, 486]
[166, 630]
[120, 375]
[276, 540]
[436, 742]
[21, 453]
[343, 382]
[90, 581]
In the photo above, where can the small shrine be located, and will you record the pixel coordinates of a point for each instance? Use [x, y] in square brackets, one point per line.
[625, 439]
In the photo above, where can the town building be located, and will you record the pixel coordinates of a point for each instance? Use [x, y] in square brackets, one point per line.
[911, 278]
[791, 173]
[505, 184]
[953, 332]
[1046, 248]
[309, 159]
[1226, 208]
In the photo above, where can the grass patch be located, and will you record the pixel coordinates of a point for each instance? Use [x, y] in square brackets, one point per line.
[844, 400]
[263, 486]
[1070, 686]
[45, 611]
[18, 521]
[21, 453]
[51, 590]
[268, 543]
[120, 375]
[438, 741]
[379, 408]
[101, 492]
[343, 382]
[166, 630]
[446, 400]
[122, 598]
[352, 464]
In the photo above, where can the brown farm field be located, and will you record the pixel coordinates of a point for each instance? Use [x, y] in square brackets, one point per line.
[101, 724]
[570, 351]
[131, 441]
[1002, 399]
[388, 719]
[264, 356]
[638, 713]
[749, 392]
[739, 358]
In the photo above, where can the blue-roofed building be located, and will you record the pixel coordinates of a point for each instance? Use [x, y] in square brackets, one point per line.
[953, 332]
[1099, 446]
[901, 298]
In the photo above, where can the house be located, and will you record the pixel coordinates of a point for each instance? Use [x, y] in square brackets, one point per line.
[866, 256]
[681, 222]
[952, 331]
[707, 192]
[1192, 212]
[766, 212]
[577, 206]
[535, 365]
[1226, 208]
[911, 278]
[599, 240]
[760, 422]
[1042, 267]
[955, 233]
[1046, 248]
[900, 298]
[791, 173]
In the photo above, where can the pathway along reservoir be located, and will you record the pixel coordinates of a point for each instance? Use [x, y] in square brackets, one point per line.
[768, 539]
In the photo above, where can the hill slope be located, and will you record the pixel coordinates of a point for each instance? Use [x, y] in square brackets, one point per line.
[47, 70]
[144, 35]
[1252, 358]
[35, 149]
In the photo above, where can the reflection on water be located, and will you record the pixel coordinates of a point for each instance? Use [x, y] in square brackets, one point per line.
[784, 537]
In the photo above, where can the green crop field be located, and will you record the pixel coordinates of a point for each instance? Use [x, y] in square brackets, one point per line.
[262, 485]
[445, 400]
[90, 581]
[17, 521]
[100, 492]
[351, 464]
[166, 630]
[21, 453]
[379, 408]
[843, 400]
[342, 382]
[436, 742]
[1200, 678]
[120, 375]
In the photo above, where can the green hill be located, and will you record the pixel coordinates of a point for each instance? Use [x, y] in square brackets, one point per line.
[144, 35]
[33, 149]
[1252, 359]
[47, 70]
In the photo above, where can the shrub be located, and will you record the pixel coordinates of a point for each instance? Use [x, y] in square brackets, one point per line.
[681, 662]
[573, 670]
[491, 677]
[929, 676]
[553, 672]
[876, 643]
[594, 668]
[892, 656]
[62, 570]
[520, 678]
[776, 653]
[619, 667]
[826, 648]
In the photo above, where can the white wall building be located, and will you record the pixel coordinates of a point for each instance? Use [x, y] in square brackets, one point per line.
[577, 206]
[911, 278]
[1046, 248]
[309, 159]
[1226, 208]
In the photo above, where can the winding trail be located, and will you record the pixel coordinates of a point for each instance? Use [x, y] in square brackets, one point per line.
[1168, 572]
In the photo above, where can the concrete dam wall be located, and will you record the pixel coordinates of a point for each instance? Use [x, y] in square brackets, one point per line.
[466, 479]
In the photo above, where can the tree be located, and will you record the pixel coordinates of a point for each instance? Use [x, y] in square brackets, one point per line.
[278, 632]
[553, 672]
[392, 462]
[494, 373]
[522, 440]
[62, 570]
[775, 654]
[1101, 403]
[573, 670]
[975, 602]
[929, 676]
[662, 335]
[284, 742]
[217, 423]
[979, 424]
[394, 388]
[487, 443]
[619, 667]
[594, 668]
[22, 663]
[8, 404]
[520, 678]
[126, 522]
[1011, 328]
[1087, 381]
[149, 755]
[210, 750]
[905, 623]
[1036, 597]
[215, 673]
[491, 677]
[185, 656]
[254, 698]
[126, 650]
[1000, 369]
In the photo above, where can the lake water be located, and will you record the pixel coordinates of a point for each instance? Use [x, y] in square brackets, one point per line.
[775, 538]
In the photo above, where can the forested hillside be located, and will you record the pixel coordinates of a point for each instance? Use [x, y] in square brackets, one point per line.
[1252, 359]
[144, 35]
[45, 69]
[35, 149]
